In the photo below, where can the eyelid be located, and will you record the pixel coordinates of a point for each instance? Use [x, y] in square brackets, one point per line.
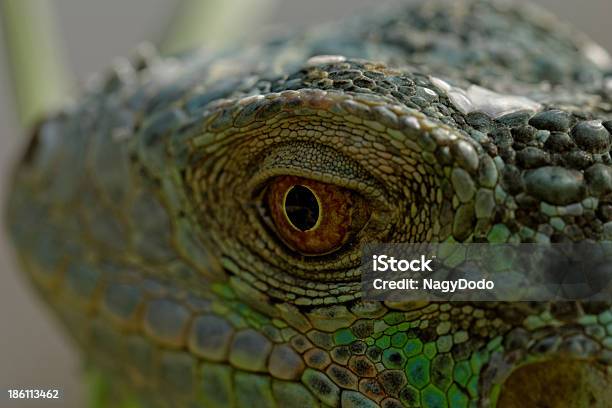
[313, 161]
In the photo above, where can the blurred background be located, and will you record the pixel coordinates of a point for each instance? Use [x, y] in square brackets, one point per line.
[34, 352]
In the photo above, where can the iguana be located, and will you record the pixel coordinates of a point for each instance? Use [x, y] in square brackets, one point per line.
[196, 220]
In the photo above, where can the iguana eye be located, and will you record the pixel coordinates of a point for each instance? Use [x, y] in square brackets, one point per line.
[314, 218]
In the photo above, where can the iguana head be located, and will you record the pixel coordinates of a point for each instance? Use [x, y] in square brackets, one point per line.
[198, 222]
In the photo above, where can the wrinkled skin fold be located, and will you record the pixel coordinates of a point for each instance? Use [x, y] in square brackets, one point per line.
[139, 213]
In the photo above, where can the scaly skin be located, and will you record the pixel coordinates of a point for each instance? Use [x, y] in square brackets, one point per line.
[138, 214]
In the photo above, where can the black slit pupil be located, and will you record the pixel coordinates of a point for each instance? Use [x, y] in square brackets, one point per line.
[302, 208]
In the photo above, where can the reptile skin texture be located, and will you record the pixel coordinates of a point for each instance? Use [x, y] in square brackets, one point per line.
[146, 213]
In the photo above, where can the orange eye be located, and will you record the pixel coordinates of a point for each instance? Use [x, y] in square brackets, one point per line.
[314, 218]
